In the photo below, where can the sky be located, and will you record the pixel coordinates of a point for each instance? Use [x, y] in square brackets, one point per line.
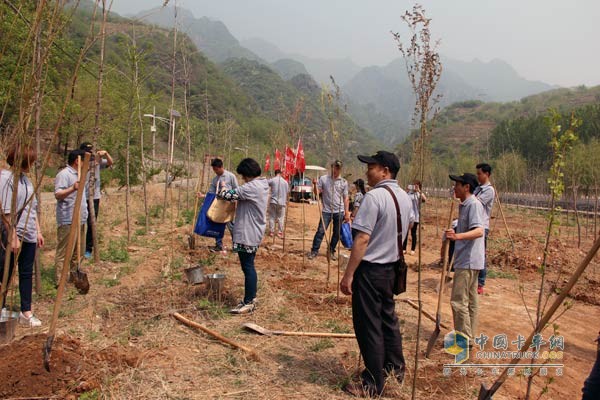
[554, 41]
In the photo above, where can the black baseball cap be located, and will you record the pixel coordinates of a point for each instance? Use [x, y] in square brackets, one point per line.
[383, 158]
[336, 163]
[86, 146]
[466, 178]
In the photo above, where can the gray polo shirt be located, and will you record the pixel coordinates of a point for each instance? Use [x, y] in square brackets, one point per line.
[103, 164]
[377, 217]
[279, 190]
[26, 226]
[64, 208]
[251, 212]
[415, 198]
[227, 180]
[486, 194]
[469, 254]
[334, 191]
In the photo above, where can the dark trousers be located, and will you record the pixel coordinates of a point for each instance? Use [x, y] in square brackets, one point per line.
[376, 324]
[483, 272]
[591, 386]
[413, 237]
[25, 263]
[89, 240]
[337, 218]
[250, 277]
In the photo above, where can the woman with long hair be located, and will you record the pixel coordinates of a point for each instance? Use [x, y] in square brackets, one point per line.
[28, 236]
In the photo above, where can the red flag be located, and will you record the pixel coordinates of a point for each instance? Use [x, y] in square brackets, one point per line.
[277, 163]
[300, 161]
[289, 161]
[268, 163]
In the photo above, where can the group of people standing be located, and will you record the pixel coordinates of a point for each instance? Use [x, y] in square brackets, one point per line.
[376, 226]
[22, 242]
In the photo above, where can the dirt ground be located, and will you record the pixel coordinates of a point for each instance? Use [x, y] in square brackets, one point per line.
[120, 340]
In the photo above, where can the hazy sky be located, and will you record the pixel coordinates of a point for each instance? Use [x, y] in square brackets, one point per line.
[555, 41]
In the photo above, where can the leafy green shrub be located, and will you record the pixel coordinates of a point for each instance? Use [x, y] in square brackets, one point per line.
[116, 251]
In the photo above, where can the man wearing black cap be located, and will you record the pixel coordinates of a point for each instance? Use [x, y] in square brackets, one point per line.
[369, 276]
[101, 160]
[334, 195]
[469, 254]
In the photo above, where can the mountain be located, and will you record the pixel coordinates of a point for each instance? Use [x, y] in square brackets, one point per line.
[497, 80]
[288, 68]
[321, 69]
[386, 91]
[210, 36]
[277, 98]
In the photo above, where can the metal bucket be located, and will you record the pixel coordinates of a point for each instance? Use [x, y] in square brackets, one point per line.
[194, 275]
[7, 329]
[215, 285]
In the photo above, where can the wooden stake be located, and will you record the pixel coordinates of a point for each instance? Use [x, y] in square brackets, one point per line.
[564, 292]
[504, 219]
[216, 335]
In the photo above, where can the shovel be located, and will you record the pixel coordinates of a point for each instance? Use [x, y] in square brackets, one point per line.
[66, 263]
[438, 314]
[263, 331]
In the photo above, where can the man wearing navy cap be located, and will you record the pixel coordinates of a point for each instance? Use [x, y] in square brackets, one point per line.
[370, 273]
[469, 254]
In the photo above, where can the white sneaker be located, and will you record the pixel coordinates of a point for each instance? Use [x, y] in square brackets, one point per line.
[244, 308]
[31, 322]
[412, 252]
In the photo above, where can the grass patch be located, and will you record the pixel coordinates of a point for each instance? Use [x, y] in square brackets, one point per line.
[337, 327]
[214, 310]
[116, 251]
[155, 211]
[492, 273]
[321, 345]
[48, 282]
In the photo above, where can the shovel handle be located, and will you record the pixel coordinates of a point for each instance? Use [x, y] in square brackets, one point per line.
[425, 313]
[214, 334]
[316, 334]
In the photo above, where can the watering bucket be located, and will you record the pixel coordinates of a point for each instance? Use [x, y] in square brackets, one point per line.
[7, 329]
[215, 285]
[194, 274]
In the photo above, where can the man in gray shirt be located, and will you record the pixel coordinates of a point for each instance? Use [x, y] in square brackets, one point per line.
[485, 193]
[279, 194]
[101, 160]
[223, 180]
[469, 254]
[66, 185]
[334, 195]
[370, 273]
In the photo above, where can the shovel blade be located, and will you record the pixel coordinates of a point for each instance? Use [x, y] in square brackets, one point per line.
[257, 329]
[432, 340]
[81, 282]
[46, 352]
[484, 393]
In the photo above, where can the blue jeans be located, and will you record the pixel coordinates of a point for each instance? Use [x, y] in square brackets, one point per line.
[250, 277]
[327, 218]
[25, 263]
[483, 272]
[219, 241]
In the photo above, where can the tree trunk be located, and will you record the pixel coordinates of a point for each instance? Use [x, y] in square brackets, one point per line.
[171, 116]
[136, 82]
[94, 165]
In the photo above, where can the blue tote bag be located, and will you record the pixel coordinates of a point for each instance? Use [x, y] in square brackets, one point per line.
[204, 226]
[346, 235]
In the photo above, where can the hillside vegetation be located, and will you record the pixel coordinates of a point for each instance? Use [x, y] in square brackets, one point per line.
[512, 134]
